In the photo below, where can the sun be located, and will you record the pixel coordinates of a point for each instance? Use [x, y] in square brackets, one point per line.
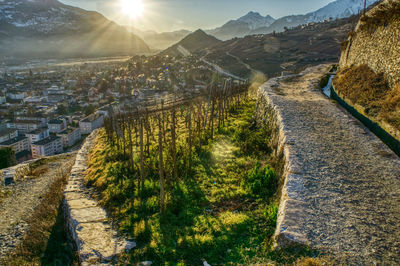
[132, 8]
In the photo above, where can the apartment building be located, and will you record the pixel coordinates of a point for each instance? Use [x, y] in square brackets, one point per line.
[38, 134]
[47, 147]
[18, 144]
[70, 136]
[90, 123]
[7, 133]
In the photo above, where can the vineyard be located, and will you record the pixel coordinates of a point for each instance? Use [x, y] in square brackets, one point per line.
[190, 182]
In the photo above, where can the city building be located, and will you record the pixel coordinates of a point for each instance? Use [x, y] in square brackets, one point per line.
[7, 133]
[24, 126]
[38, 134]
[57, 125]
[90, 123]
[47, 147]
[19, 144]
[70, 136]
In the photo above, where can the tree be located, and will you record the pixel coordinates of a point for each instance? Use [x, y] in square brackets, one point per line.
[62, 110]
[89, 109]
[7, 157]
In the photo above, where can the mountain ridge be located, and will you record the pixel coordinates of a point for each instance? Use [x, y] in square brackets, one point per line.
[335, 10]
[193, 42]
[49, 28]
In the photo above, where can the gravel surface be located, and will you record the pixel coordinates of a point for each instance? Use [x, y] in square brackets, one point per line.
[22, 198]
[342, 187]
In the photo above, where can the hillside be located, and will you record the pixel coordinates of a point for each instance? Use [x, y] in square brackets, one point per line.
[48, 28]
[194, 42]
[288, 51]
[254, 23]
[370, 66]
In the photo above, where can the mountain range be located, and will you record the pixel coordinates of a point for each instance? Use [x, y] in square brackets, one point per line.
[48, 28]
[254, 23]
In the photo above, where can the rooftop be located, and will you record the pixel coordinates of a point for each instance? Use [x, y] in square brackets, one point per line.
[7, 131]
[13, 140]
[46, 141]
[26, 122]
[38, 131]
[56, 121]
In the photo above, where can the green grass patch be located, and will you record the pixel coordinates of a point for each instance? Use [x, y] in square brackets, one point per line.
[223, 211]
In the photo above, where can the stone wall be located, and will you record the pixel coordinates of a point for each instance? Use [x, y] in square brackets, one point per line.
[379, 49]
[338, 177]
[87, 223]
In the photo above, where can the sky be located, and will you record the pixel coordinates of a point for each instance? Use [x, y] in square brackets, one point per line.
[170, 15]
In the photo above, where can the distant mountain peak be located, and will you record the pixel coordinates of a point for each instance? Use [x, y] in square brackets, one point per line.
[254, 23]
[47, 28]
[194, 41]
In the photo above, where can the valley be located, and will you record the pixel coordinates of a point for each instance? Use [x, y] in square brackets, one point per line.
[270, 140]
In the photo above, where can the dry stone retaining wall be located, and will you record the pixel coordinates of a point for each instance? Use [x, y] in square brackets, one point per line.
[95, 239]
[379, 49]
[341, 191]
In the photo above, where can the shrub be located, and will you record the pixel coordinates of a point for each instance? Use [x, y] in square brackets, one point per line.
[383, 15]
[261, 181]
[271, 213]
[324, 81]
[362, 86]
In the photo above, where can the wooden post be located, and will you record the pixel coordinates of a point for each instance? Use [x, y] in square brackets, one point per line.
[161, 165]
[173, 142]
[190, 140]
[141, 154]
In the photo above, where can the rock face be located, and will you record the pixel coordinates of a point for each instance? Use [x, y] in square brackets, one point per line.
[377, 47]
[341, 190]
[87, 222]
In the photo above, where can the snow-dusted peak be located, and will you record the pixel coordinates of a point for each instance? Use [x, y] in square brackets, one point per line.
[338, 9]
[255, 20]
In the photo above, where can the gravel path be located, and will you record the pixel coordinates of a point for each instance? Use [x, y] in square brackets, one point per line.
[342, 188]
[22, 199]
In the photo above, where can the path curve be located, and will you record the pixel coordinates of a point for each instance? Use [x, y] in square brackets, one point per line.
[342, 186]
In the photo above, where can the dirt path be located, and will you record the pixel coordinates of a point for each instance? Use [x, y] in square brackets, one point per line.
[342, 188]
[21, 200]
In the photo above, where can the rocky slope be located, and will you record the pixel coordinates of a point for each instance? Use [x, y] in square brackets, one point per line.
[48, 28]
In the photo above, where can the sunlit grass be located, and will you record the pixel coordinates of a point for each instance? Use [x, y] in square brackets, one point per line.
[213, 213]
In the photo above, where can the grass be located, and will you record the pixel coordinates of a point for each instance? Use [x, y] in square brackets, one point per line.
[46, 241]
[362, 86]
[223, 212]
[383, 15]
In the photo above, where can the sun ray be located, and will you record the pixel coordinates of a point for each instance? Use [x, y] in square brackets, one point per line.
[132, 8]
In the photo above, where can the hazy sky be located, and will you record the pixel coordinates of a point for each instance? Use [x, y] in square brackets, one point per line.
[168, 15]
